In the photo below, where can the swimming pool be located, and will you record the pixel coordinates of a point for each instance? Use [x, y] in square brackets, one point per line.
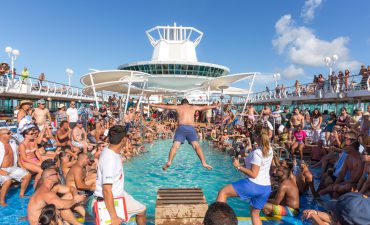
[144, 176]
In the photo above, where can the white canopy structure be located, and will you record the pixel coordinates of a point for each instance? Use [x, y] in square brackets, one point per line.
[174, 70]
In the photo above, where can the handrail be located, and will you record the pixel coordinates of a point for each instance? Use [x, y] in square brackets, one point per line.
[352, 83]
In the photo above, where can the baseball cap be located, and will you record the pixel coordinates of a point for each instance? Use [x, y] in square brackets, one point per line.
[61, 106]
[351, 208]
[41, 101]
[91, 104]
[79, 121]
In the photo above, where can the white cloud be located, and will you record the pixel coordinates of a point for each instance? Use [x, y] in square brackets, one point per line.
[308, 11]
[292, 71]
[302, 46]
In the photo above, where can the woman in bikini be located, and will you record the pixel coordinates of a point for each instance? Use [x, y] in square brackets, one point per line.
[29, 157]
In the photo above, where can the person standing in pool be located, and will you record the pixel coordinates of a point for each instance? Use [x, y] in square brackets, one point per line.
[185, 129]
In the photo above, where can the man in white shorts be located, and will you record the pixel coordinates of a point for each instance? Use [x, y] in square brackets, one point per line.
[9, 170]
[110, 179]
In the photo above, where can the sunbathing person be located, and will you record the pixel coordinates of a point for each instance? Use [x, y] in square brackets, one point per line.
[79, 137]
[44, 195]
[9, 170]
[29, 157]
[299, 141]
[286, 200]
[363, 185]
[185, 130]
[305, 180]
[350, 173]
[77, 177]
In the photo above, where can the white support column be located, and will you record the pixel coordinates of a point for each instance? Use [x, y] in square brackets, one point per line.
[208, 94]
[249, 92]
[141, 96]
[148, 114]
[93, 87]
[128, 92]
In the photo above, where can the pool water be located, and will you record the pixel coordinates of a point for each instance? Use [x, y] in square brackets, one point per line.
[144, 176]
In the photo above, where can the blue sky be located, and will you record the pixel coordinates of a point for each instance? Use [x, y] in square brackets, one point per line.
[287, 36]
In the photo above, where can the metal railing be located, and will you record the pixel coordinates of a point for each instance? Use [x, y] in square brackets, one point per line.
[30, 85]
[350, 84]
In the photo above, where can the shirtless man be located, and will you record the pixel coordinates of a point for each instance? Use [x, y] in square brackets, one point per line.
[363, 185]
[128, 118]
[41, 114]
[185, 129]
[44, 195]
[251, 112]
[350, 173]
[286, 201]
[265, 113]
[305, 180]
[9, 170]
[297, 119]
[63, 133]
[76, 176]
[79, 136]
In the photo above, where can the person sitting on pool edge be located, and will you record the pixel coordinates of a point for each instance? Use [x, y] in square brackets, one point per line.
[185, 130]
[286, 200]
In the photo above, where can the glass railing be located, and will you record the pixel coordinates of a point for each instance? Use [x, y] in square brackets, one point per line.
[350, 84]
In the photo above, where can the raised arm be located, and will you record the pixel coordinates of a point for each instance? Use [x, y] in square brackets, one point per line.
[163, 106]
[205, 107]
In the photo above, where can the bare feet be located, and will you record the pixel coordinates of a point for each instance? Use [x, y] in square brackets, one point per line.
[3, 204]
[207, 166]
[165, 166]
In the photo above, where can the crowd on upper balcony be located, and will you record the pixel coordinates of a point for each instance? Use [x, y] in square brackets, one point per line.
[335, 82]
[6, 74]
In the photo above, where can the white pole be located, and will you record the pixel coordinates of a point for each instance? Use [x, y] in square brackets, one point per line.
[148, 114]
[128, 92]
[93, 87]
[69, 80]
[12, 71]
[250, 89]
[208, 94]
[141, 96]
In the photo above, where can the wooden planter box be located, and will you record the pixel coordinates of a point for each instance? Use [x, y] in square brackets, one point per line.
[180, 206]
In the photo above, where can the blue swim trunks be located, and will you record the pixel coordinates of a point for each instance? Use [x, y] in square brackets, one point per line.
[185, 132]
[258, 194]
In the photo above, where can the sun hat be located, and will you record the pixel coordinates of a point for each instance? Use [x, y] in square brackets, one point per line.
[25, 102]
[351, 208]
[61, 106]
[26, 128]
[41, 101]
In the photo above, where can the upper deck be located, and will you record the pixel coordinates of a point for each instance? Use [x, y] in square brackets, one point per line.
[357, 89]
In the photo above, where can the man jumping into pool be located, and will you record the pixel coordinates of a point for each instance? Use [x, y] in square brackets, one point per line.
[185, 129]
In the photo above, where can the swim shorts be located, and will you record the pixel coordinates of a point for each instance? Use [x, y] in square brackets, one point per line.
[185, 132]
[258, 194]
[279, 210]
[15, 173]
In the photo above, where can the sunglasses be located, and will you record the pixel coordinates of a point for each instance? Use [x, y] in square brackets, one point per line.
[31, 133]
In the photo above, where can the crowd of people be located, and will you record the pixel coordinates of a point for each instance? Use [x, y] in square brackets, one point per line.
[333, 83]
[75, 153]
